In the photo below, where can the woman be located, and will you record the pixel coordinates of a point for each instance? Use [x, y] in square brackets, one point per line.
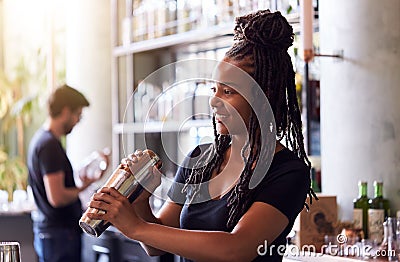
[237, 222]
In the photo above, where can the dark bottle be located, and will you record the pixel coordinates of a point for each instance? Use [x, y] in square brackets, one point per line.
[379, 210]
[360, 208]
[314, 181]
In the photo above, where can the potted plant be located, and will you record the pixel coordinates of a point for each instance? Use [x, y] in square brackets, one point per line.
[18, 102]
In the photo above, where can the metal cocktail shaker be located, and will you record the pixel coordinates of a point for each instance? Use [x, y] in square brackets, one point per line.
[128, 183]
[9, 252]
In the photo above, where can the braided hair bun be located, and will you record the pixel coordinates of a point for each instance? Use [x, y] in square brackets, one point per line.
[266, 29]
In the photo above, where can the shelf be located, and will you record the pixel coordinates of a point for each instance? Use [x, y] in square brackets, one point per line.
[158, 126]
[126, 69]
[193, 36]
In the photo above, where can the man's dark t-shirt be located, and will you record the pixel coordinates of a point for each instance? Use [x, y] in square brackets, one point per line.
[285, 187]
[46, 155]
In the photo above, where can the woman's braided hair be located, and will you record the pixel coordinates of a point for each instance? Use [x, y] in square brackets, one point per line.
[261, 39]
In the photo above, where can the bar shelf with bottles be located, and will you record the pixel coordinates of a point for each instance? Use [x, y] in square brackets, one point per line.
[172, 24]
[162, 32]
[174, 104]
[153, 24]
[158, 126]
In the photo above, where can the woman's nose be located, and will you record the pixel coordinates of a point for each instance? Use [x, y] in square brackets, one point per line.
[216, 102]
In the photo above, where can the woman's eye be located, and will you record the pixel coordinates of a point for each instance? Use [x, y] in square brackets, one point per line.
[228, 91]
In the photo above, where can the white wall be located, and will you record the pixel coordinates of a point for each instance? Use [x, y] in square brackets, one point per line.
[24, 29]
[360, 109]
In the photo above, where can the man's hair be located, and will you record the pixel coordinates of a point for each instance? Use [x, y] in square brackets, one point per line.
[65, 96]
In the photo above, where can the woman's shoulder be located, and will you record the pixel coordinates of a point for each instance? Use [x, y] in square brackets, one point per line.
[196, 157]
[288, 159]
[286, 165]
[200, 155]
[199, 150]
[285, 184]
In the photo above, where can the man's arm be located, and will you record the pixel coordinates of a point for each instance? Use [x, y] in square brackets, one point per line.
[59, 195]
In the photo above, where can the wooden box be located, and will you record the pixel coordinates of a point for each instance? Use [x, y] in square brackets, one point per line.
[311, 227]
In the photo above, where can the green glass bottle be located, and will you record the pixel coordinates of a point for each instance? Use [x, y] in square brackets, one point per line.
[314, 182]
[379, 210]
[360, 208]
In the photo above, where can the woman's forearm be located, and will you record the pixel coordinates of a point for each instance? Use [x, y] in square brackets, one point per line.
[195, 245]
[144, 211]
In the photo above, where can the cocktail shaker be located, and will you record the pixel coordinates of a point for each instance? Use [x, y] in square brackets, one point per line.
[9, 252]
[128, 182]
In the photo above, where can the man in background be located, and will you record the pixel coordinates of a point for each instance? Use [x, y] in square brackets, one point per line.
[57, 235]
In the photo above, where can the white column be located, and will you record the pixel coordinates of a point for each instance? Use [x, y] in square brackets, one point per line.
[360, 109]
[88, 68]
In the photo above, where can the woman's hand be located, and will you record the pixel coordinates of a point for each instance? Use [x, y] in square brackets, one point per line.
[118, 210]
[153, 178]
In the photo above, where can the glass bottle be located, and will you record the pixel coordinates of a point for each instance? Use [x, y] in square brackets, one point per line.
[183, 16]
[10, 251]
[201, 96]
[314, 182]
[171, 17]
[389, 245]
[96, 163]
[398, 228]
[139, 21]
[379, 209]
[139, 92]
[149, 107]
[360, 208]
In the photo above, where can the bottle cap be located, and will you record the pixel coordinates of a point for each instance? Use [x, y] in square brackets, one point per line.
[106, 151]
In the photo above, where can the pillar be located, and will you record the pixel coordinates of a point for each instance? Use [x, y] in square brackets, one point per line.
[88, 68]
[360, 109]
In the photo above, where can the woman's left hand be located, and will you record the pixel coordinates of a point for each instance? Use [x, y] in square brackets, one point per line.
[118, 210]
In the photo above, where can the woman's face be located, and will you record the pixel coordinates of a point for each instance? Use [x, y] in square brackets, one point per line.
[231, 109]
